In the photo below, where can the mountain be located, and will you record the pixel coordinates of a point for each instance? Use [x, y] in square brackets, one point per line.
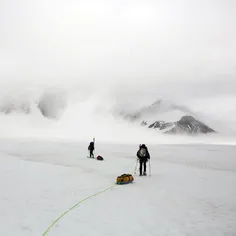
[187, 125]
[169, 118]
[160, 109]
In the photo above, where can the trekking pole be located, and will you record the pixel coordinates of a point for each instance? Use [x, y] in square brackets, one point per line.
[136, 167]
[149, 167]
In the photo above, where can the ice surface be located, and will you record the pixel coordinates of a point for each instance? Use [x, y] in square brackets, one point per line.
[191, 190]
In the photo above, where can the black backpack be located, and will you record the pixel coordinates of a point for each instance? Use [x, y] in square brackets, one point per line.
[91, 146]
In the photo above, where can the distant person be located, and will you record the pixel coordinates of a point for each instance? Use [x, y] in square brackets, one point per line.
[143, 156]
[91, 149]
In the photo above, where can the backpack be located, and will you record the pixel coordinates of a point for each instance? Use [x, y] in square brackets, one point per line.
[91, 146]
[143, 152]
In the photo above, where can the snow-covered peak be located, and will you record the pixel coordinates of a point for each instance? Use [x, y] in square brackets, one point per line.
[159, 110]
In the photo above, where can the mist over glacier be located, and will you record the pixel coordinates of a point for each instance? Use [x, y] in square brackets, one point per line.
[68, 69]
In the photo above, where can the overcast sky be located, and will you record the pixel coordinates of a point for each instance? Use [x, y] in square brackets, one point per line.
[147, 47]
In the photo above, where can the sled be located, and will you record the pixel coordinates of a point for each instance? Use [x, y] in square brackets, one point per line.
[98, 158]
[124, 179]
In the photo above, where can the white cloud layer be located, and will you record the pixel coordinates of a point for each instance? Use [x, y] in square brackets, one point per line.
[128, 53]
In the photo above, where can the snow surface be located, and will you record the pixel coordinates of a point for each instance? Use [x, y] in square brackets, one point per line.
[191, 190]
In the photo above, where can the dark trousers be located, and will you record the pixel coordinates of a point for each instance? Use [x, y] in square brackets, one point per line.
[142, 163]
[91, 153]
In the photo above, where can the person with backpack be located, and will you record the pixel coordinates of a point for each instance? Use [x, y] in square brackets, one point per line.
[91, 149]
[143, 156]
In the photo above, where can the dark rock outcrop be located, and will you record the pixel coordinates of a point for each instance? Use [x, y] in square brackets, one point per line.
[186, 125]
[161, 125]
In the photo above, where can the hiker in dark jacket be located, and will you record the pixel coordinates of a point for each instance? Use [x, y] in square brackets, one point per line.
[91, 149]
[143, 156]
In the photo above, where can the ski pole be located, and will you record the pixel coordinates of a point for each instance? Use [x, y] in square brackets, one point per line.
[149, 167]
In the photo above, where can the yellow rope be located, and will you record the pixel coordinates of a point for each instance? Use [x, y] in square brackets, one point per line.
[64, 213]
[75, 206]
